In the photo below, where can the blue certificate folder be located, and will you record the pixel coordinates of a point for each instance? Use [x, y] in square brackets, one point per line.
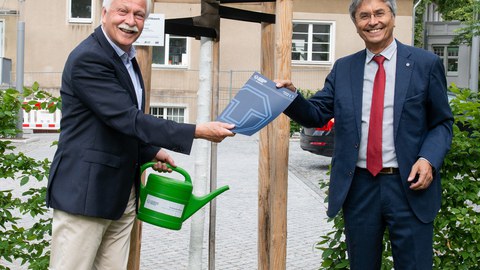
[257, 103]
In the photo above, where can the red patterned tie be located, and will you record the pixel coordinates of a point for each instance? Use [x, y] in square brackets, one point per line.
[374, 146]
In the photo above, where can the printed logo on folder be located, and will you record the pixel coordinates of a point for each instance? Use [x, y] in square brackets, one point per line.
[257, 103]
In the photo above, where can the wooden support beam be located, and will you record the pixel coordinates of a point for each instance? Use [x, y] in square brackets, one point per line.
[185, 27]
[280, 139]
[144, 59]
[135, 246]
[267, 63]
[274, 143]
[246, 15]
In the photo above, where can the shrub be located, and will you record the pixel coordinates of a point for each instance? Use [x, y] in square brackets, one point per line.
[26, 243]
[457, 227]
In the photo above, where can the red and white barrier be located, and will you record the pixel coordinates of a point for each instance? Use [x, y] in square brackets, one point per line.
[41, 120]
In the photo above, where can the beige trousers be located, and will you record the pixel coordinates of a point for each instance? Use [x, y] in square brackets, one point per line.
[86, 243]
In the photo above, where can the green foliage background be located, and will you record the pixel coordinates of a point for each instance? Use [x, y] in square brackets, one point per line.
[22, 241]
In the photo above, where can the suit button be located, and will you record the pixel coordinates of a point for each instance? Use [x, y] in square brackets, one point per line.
[356, 146]
[350, 173]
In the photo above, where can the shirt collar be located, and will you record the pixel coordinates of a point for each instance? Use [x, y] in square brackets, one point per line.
[125, 56]
[387, 52]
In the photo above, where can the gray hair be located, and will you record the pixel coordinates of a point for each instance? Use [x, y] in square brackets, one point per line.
[107, 3]
[392, 4]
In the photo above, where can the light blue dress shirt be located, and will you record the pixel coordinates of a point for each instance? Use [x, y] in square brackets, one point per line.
[127, 61]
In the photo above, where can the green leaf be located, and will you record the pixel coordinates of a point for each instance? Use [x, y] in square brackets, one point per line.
[24, 180]
[327, 263]
[342, 265]
[35, 86]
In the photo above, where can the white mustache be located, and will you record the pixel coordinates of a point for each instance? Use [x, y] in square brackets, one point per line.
[125, 26]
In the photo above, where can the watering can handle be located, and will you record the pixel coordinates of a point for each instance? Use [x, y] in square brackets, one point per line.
[176, 169]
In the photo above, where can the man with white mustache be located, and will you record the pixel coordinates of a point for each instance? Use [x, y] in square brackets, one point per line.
[385, 169]
[105, 136]
[126, 27]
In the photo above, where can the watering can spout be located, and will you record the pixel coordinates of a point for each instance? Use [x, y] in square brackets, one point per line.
[198, 202]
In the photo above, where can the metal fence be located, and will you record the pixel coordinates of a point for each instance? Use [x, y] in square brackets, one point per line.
[179, 87]
[308, 78]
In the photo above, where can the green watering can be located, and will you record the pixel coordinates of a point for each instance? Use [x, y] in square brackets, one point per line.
[167, 202]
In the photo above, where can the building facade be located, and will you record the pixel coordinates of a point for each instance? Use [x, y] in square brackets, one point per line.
[438, 37]
[322, 33]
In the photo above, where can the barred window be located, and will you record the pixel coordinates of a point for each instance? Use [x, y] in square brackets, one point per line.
[176, 114]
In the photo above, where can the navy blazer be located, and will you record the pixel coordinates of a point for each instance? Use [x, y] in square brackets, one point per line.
[104, 136]
[422, 122]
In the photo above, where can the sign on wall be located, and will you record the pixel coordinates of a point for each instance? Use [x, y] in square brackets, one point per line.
[153, 31]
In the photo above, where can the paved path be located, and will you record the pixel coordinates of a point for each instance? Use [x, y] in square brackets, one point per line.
[237, 209]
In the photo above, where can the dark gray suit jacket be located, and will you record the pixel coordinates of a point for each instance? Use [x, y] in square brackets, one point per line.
[104, 136]
[422, 122]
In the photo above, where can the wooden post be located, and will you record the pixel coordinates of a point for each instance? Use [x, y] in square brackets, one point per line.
[144, 59]
[267, 69]
[274, 142]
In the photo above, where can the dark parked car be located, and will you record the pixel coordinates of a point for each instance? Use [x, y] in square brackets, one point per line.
[318, 140]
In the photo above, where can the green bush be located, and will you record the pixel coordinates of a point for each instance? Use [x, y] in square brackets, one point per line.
[294, 126]
[457, 226]
[24, 243]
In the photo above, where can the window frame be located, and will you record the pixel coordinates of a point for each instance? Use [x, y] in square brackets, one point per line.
[331, 52]
[80, 20]
[167, 54]
[165, 107]
[445, 58]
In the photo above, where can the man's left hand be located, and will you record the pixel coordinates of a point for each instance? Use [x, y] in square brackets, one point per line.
[161, 159]
[421, 175]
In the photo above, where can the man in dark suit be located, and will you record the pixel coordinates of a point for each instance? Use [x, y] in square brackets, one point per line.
[105, 136]
[397, 187]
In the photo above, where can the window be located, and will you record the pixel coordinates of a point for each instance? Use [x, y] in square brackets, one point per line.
[312, 42]
[176, 114]
[80, 11]
[449, 56]
[174, 53]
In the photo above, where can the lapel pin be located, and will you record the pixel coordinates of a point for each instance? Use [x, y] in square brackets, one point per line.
[408, 64]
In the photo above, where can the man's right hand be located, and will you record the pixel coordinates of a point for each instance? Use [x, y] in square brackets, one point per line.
[287, 84]
[214, 131]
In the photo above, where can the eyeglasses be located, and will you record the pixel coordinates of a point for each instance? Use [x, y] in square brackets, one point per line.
[367, 16]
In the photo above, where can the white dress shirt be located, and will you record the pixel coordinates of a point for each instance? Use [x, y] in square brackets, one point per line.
[389, 156]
